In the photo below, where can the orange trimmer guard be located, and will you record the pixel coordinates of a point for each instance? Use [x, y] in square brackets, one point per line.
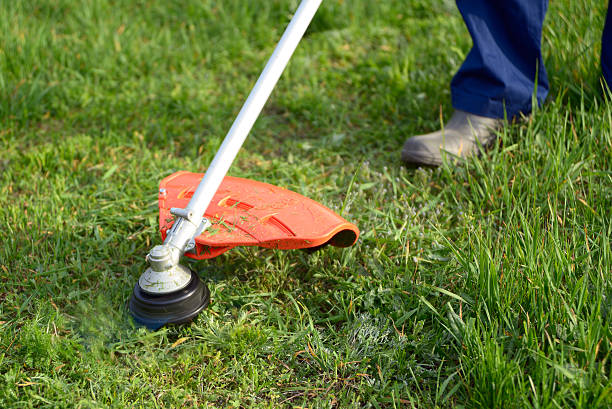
[245, 212]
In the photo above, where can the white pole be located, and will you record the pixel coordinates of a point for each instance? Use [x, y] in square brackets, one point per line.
[242, 126]
[252, 107]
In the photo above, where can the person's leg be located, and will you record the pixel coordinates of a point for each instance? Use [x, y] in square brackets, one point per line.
[498, 78]
[606, 48]
[504, 66]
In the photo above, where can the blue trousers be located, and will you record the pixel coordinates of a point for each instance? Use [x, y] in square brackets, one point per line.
[505, 68]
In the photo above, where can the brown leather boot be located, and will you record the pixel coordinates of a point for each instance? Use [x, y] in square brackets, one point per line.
[462, 136]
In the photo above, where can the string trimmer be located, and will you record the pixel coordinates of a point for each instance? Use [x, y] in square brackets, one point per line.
[202, 216]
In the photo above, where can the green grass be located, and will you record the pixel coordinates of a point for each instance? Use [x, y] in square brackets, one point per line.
[486, 285]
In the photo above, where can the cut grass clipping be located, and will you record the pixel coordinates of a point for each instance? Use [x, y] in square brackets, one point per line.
[486, 285]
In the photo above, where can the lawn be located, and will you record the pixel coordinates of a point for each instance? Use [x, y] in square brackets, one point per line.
[481, 285]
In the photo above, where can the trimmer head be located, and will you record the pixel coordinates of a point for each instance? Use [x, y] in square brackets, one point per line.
[156, 310]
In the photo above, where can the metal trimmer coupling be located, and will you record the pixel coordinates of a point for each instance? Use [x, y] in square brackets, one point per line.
[164, 274]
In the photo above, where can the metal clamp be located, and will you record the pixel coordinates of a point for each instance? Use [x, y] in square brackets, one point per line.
[190, 247]
[184, 213]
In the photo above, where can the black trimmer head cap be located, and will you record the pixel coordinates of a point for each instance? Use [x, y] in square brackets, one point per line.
[156, 310]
